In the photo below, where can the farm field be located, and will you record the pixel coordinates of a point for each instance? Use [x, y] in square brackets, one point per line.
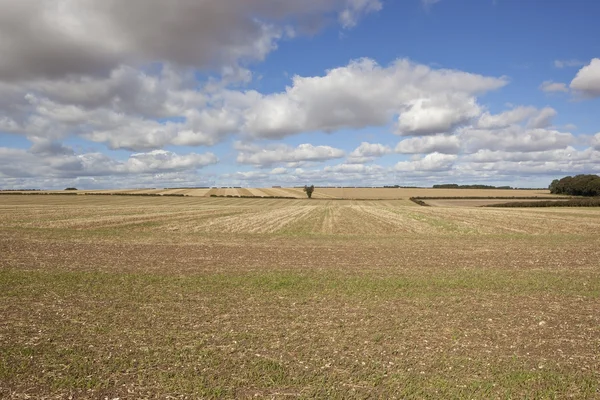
[204, 297]
[334, 193]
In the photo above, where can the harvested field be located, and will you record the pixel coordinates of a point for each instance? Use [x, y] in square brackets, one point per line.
[406, 193]
[338, 193]
[200, 297]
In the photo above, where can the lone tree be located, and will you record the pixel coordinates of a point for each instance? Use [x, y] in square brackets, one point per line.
[309, 190]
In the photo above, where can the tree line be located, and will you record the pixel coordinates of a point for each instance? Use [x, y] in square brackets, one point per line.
[579, 185]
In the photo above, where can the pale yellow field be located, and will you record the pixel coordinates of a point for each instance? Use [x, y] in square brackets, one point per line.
[336, 193]
[294, 216]
[405, 193]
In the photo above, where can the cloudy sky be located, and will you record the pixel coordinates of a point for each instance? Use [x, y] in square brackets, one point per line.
[154, 93]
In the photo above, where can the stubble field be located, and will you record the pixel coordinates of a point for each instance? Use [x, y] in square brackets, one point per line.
[334, 192]
[199, 297]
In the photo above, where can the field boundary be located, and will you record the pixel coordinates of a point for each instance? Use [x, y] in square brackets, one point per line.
[593, 202]
[233, 196]
[422, 200]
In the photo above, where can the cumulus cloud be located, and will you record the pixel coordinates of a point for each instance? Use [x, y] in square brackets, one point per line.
[45, 147]
[161, 161]
[365, 94]
[553, 87]
[595, 142]
[125, 90]
[146, 110]
[279, 171]
[535, 118]
[519, 129]
[438, 115]
[441, 144]
[280, 153]
[587, 80]
[515, 138]
[53, 160]
[545, 163]
[429, 163]
[48, 38]
[128, 110]
[508, 167]
[256, 178]
[367, 152]
[542, 118]
[354, 168]
[487, 156]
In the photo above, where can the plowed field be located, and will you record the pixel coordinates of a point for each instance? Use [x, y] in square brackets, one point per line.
[204, 297]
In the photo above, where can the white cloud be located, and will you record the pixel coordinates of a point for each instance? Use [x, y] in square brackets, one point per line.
[514, 139]
[524, 129]
[568, 63]
[536, 118]
[354, 169]
[553, 87]
[439, 115]
[430, 162]
[279, 171]
[587, 80]
[277, 154]
[367, 152]
[430, 144]
[542, 118]
[365, 94]
[249, 176]
[550, 163]
[487, 156]
[595, 142]
[161, 160]
[143, 111]
[483, 166]
[53, 160]
[123, 110]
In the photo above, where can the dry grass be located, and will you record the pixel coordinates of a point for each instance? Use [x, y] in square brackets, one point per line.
[127, 297]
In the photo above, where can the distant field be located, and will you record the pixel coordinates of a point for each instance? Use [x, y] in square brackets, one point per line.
[337, 193]
[206, 297]
[402, 193]
[477, 202]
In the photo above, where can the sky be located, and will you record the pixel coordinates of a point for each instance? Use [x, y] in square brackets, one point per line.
[254, 93]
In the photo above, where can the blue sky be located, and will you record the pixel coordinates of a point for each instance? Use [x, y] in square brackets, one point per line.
[97, 94]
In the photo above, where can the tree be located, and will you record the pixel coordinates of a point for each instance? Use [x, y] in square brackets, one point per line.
[554, 186]
[309, 190]
[579, 185]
